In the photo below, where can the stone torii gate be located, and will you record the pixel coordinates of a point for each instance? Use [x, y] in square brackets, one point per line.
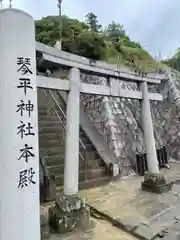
[19, 165]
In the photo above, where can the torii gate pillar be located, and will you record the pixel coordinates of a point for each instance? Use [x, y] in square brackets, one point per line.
[71, 170]
[153, 181]
[147, 124]
[19, 157]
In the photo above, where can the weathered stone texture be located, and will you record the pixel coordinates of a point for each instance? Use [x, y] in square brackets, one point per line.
[166, 115]
[119, 121]
[69, 213]
[44, 219]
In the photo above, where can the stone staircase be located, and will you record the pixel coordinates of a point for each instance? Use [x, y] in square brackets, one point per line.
[92, 170]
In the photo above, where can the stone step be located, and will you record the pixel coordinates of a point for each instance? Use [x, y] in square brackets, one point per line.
[51, 147]
[92, 155]
[50, 129]
[42, 111]
[96, 182]
[95, 163]
[55, 160]
[58, 169]
[59, 158]
[52, 151]
[54, 133]
[55, 164]
[89, 183]
[49, 123]
[90, 174]
[51, 136]
[92, 158]
[47, 118]
[48, 143]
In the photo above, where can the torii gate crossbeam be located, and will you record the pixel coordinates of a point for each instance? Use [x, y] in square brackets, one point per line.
[113, 90]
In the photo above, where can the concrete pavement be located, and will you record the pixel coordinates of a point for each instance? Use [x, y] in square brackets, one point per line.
[124, 200]
[140, 213]
[100, 230]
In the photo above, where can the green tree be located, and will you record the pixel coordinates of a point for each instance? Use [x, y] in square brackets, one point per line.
[85, 39]
[92, 22]
[126, 41]
[174, 61]
[177, 53]
[48, 29]
[114, 31]
[87, 44]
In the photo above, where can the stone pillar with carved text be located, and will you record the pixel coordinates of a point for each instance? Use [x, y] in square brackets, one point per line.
[19, 151]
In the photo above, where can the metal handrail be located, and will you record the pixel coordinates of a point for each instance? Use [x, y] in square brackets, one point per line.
[50, 92]
[63, 113]
[54, 109]
[60, 119]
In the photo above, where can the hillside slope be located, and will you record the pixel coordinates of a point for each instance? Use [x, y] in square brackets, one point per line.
[90, 40]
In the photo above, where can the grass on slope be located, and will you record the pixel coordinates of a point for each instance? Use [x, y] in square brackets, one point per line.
[134, 58]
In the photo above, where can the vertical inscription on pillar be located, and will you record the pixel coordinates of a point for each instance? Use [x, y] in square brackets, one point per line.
[25, 128]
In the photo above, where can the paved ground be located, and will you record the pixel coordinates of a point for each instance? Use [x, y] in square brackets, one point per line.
[100, 230]
[124, 198]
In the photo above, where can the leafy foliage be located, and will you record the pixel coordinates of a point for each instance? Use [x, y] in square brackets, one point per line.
[88, 39]
[92, 22]
[114, 32]
[174, 62]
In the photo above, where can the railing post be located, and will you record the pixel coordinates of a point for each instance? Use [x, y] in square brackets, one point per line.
[71, 170]
[19, 150]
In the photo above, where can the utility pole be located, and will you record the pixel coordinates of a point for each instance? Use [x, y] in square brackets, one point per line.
[59, 43]
[10, 3]
[1, 4]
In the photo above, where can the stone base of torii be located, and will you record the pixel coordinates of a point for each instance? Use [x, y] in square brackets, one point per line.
[19, 165]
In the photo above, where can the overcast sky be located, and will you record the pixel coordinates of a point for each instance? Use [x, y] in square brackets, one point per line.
[153, 23]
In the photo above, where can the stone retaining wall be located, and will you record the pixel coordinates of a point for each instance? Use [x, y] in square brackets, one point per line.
[118, 119]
